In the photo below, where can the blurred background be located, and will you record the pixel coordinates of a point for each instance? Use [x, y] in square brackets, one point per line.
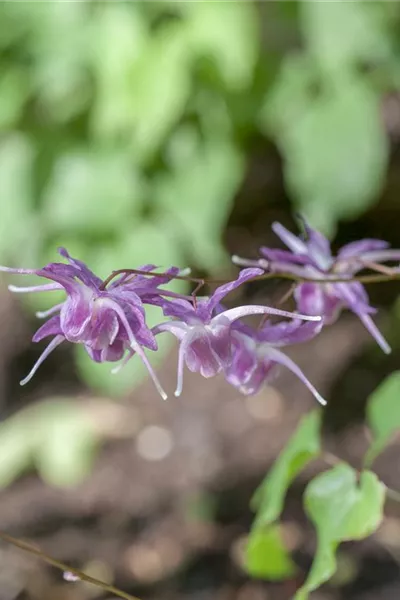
[176, 133]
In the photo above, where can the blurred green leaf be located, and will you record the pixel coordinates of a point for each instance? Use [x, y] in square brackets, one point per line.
[149, 244]
[68, 446]
[160, 83]
[336, 155]
[55, 436]
[14, 89]
[299, 451]
[120, 28]
[360, 27]
[228, 33]
[92, 193]
[198, 193]
[266, 557]
[17, 217]
[16, 448]
[59, 43]
[341, 509]
[290, 96]
[383, 414]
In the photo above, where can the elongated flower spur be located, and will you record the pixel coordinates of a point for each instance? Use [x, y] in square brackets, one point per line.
[109, 319]
[311, 258]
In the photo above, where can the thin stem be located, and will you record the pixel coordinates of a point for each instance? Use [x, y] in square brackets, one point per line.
[65, 568]
[372, 278]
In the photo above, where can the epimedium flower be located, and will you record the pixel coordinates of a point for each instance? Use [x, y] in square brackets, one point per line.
[311, 258]
[256, 356]
[204, 328]
[107, 321]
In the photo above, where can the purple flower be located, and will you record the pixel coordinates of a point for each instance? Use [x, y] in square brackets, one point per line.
[207, 344]
[311, 258]
[108, 322]
[256, 357]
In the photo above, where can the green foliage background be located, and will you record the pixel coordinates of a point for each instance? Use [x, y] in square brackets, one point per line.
[125, 127]
[124, 133]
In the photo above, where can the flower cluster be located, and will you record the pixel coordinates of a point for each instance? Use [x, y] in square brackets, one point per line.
[310, 260]
[109, 319]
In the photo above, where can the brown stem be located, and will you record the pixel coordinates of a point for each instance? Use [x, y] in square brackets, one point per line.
[373, 278]
[65, 568]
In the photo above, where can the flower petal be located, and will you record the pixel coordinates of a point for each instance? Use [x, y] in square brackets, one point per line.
[287, 333]
[279, 357]
[199, 355]
[53, 344]
[225, 289]
[294, 243]
[360, 247]
[315, 299]
[51, 327]
[254, 309]
[82, 271]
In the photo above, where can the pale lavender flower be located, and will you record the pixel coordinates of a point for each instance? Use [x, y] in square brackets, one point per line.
[108, 322]
[311, 258]
[205, 329]
[256, 356]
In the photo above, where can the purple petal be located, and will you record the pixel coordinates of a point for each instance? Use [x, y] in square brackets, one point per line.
[360, 247]
[286, 333]
[53, 344]
[113, 305]
[221, 341]
[374, 331]
[82, 271]
[244, 311]
[318, 245]
[225, 289]
[111, 353]
[51, 327]
[46, 287]
[244, 362]
[18, 271]
[279, 357]
[356, 299]
[199, 355]
[315, 299]
[294, 243]
[76, 312]
[43, 314]
[354, 296]
[136, 317]
[284, 256]
[379, 256]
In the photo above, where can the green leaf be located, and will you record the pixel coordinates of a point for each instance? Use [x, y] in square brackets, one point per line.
[16, 448]
[360, 26]
[92, 193]
[298, 452]
[55, 436]
[383, 414]
[17, 217]
[198, 193]
[150, 244]
[160, 87]
[68, 446]
[336, 155]
[13, 94]
[121, 28]
[290, 96]
[59, 43]
[266, 557]
[341, 509]
[228, 33]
